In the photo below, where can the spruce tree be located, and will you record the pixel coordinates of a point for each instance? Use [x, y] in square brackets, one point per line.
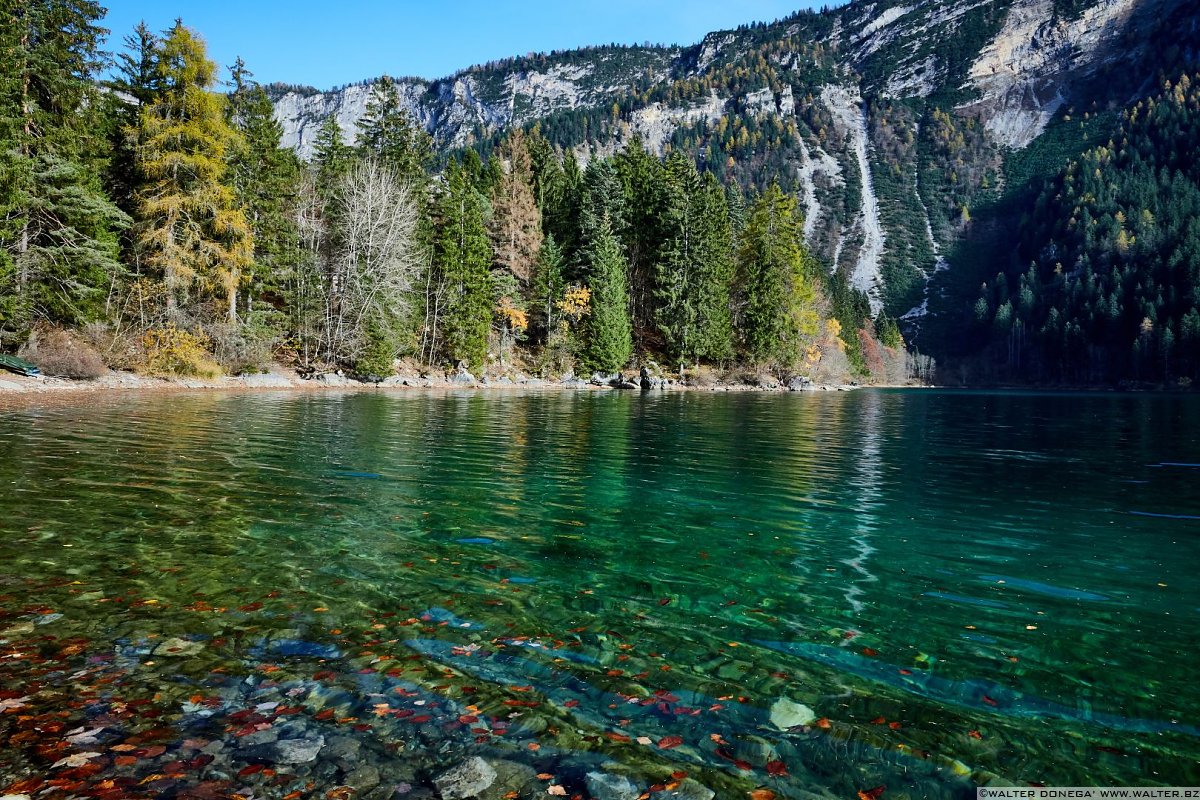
[678, 261]
[463, 256]
[387, 132]
[332, 157]
[642, 177]
[778, 280]
[60, 238]
[190, 230]
[265, 178]
[547, 285]
[608, 342]
[714, 284]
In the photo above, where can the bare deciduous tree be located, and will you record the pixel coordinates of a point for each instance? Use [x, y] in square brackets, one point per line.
[375, 258]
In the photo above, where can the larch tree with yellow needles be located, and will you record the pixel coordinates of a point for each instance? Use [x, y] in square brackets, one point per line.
[191, 232]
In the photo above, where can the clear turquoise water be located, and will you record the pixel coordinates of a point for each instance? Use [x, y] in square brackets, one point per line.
[964, 588]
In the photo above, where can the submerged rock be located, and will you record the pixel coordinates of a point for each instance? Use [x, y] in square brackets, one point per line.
[510, 777]
[690, 790]
[468, 779]
[179, 648]
[787, 714]
[297, 751]
[607, 786]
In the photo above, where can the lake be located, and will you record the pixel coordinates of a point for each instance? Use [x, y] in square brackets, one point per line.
[896, 593]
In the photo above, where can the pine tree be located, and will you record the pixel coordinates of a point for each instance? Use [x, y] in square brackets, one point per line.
[608, 340]
[777, 278]
[265, 178]
[463, 256]
[61, 242]
[191, 230]
[516, 222]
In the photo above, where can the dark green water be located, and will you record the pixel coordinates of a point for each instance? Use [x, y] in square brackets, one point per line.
[963, 588]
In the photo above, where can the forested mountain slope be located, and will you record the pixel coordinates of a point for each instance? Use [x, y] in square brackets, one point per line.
[896, 124]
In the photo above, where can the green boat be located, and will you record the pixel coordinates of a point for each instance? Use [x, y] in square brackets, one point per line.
[19, 366]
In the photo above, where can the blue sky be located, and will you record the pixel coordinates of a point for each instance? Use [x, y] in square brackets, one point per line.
[325, 43]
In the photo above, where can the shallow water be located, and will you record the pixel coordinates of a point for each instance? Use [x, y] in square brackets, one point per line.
[209, 595]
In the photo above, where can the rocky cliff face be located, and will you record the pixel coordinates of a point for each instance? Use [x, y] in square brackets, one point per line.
[896, 118]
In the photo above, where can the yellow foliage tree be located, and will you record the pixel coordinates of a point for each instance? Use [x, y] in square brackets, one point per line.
[190, 231]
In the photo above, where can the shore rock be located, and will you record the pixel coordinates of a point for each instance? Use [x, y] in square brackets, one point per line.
[798, 384]
[268, 380]
[463, 378]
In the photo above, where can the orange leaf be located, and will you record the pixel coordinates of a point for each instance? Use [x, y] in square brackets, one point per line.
[668, 742]
[762, 794]
[776, 769]
[823, 723]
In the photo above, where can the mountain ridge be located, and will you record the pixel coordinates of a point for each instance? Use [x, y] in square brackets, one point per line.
[891, 121]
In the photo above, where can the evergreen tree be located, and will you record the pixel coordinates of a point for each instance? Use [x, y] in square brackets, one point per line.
[694, 269]
[717, 268]
[191, 229]
[609, 333]
[548, 284]
[555, 195]
[777, 278]
[60, 237]
[134, 85]
[463, 257]
[642, 177]
[388, 133]
[677, 264]
[332, 157]
[265, 179]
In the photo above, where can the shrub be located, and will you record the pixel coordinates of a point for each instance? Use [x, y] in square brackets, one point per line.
[62, 354]
[171, 351]
[243, 349]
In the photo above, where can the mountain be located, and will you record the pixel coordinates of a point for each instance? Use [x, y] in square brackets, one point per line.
[913, 133]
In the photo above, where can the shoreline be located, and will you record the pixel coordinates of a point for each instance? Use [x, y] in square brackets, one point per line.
[13, 386]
